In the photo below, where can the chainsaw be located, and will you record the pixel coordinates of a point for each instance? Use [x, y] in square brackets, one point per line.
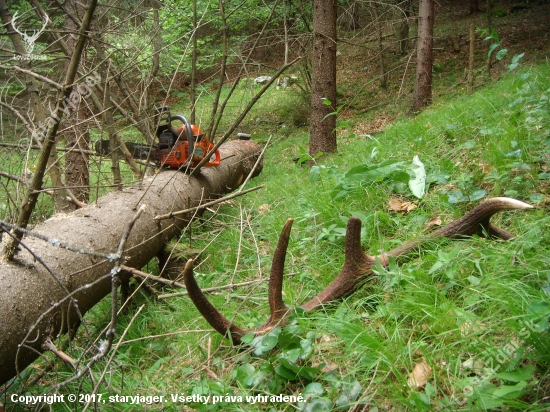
[181, 147]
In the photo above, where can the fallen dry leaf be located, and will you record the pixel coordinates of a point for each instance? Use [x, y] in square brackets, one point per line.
[485, 169]
[420, 375]
[329, 367]
[398, 206]
[473, 364]
[467, 328]
[436, 221]
[263, 209]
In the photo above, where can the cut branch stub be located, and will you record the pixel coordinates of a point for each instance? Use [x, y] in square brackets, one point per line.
[356, 270]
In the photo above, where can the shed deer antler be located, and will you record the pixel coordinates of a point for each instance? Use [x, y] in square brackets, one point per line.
[357, 266]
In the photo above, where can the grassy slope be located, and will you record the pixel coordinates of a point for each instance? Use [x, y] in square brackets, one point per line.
[361, 351]
[455, 318]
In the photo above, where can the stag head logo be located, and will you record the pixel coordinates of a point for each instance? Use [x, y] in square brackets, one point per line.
[29, 40]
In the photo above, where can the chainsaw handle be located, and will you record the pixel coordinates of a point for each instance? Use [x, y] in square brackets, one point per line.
[190, 138]
[215, 162]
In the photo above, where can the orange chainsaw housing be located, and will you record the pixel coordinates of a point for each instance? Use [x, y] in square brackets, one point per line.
[179, 155]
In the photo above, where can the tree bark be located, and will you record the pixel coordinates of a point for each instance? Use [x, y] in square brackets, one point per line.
[489, 32]
[383, 76]
[77, 171]
[423, 83]
[402, 27]
[34, 300]
[471, 60]
[323, 88]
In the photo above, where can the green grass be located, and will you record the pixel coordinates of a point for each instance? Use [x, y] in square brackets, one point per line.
[456, 305]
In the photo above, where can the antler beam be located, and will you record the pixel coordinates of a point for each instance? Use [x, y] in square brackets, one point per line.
[357, 266]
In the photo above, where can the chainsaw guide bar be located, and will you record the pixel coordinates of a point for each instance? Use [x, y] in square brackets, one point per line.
[181, 148]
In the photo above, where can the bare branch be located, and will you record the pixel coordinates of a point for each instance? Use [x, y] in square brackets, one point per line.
[37, 76]
[208, 204]
[59, 149]
[243, 115]
[31, 197]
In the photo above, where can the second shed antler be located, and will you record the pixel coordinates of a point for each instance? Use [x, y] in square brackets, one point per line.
[357, 266]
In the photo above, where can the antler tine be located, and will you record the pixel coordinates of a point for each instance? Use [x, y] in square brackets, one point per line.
[357, 267]
[277, 307]
[207, 310]
[477, 220]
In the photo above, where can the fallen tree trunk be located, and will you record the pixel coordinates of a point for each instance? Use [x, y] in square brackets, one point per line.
[36, 288]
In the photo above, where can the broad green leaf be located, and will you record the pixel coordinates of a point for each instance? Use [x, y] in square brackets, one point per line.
[263, 344]
[492, 49]
[313, 389]
[248, 338]
[287, 373]
[448, 256]
[314, 174]
[292, 372]
[539, 308]
[510, 391]
[318, 405]
[477, 195]
[429, 389]
[501, 54]
[470, 144]
[517, 57]
[418, 183]
[156, 365]
[537, 198]
[292, 354]
[514, 153]
[374, 173]
[400, 176]
[518, 375]
[457, 197]
[244, 371]
[304, 158]
[349, 393]
[318, 155]
[306, 347]
[515, 61]
[437, 265]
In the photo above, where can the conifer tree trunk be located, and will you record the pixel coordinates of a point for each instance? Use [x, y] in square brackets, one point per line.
[323, 78]
[423, 83]
[77, 173]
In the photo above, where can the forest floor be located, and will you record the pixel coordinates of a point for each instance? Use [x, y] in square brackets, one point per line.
[526, 30]
[522, 29]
